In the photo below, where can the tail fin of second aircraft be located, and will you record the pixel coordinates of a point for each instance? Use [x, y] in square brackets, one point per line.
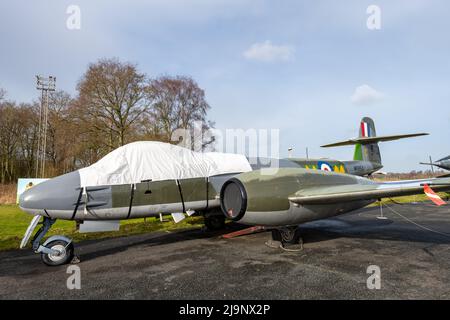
[367, 151]
[366, 145]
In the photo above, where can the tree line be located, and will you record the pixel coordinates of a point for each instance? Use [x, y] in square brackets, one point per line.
[115, 104]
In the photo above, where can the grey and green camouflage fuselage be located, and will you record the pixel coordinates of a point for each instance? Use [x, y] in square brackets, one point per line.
[288, 196]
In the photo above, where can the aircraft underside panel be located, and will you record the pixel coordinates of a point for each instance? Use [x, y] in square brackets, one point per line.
[300, 214]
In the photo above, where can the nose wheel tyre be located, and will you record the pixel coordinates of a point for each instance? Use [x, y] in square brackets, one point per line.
[64, 253]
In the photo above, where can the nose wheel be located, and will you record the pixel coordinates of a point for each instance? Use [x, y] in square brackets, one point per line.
[56, 250]
[61, 252]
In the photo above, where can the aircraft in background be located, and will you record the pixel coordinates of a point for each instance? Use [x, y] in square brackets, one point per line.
[145, 179]
[366, 158]
[443, 163]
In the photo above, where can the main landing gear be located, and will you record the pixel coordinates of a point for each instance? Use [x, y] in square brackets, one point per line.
[215, 222]
[286, 238]
[56, 250]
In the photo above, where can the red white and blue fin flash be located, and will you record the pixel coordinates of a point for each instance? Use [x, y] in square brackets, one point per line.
[365, 130]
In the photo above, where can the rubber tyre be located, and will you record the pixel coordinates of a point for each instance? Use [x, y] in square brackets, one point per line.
[277, 236]
[69, 253]
[295, 239]
[216, 222]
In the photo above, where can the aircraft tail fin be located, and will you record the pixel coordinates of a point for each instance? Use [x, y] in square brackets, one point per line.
[366, 145]
[367, 151]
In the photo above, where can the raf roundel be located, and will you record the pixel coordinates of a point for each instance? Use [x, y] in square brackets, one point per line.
[324, 166]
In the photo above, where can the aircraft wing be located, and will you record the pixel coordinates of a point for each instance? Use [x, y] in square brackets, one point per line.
[346, 193]
[443, 159]
[367, 140]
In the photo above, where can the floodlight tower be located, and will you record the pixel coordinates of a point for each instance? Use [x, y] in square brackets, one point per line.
[45, 84]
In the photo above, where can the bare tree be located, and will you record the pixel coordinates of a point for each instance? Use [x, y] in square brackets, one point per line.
[61, 133]
[111, 100]
[10, 132]
[2, 94]
[177, 103]
[29, 115]
[115, 105]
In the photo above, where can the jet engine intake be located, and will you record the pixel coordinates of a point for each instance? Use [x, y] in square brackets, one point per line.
[233, 199]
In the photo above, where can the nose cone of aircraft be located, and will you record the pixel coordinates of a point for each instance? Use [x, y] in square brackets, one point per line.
[60, 193]
[445, 164]
[26, 199]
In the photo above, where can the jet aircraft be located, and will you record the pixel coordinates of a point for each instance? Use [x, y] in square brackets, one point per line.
[144, 179]
[443, 163]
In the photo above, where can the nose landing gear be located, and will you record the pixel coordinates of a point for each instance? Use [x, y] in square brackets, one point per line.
[61, 253]
[56, 250]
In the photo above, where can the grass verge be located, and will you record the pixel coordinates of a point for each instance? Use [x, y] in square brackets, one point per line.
[411, 199]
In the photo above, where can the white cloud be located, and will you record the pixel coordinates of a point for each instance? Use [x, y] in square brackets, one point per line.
[267, 52]
[365, 95]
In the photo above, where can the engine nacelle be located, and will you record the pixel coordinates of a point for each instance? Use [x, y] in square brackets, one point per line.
[256, 198]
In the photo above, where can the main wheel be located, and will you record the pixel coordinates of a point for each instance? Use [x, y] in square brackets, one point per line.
[287, 235]
[215, 222]
[65, 253]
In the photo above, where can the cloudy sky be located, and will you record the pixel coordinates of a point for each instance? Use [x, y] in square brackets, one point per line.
[309, 68]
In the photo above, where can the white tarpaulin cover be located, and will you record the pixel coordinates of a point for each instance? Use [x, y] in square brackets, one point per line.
[154, 160]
